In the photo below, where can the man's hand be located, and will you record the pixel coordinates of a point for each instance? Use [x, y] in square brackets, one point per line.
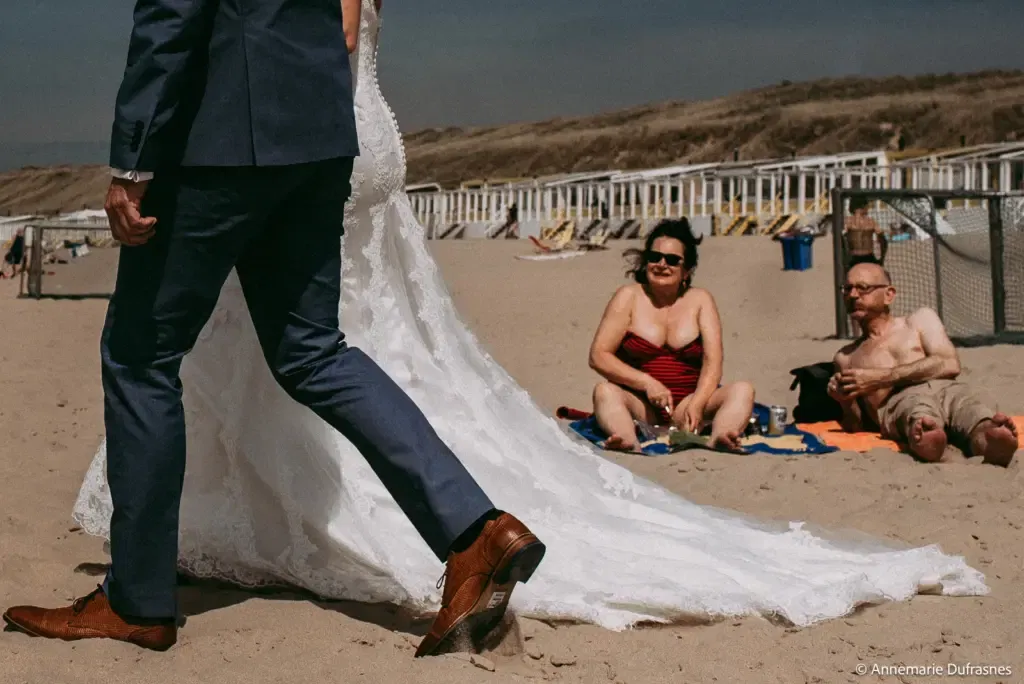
[856, 382]
[836, 391]
[851, 420]
[122, 206]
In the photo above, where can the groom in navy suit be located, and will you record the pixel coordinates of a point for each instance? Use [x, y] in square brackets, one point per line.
[232, 147]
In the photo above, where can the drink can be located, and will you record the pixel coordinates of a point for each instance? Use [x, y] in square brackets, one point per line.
[753, 426]
[777, 420]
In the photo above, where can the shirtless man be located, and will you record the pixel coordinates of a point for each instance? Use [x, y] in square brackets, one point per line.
[861, 231]
[899, 377]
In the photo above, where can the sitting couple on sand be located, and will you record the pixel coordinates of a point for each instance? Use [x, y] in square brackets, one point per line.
[659, 348]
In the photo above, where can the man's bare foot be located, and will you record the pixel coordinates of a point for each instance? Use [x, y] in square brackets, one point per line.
[927, 439]
[616, 442]
[995, 439]
[728, 441]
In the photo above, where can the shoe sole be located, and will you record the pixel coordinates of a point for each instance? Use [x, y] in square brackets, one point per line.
[21, 628]
[487, 612]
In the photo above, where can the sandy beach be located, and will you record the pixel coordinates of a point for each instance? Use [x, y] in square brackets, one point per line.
[537, 319]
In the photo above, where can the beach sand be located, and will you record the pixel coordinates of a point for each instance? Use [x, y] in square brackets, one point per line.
[537, 319]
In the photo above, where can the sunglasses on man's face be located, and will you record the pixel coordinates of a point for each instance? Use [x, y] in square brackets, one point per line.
[654, 257]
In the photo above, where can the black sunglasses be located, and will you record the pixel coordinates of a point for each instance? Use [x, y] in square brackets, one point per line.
[652, 257]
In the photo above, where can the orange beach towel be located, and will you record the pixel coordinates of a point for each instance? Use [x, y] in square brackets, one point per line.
[833, 435]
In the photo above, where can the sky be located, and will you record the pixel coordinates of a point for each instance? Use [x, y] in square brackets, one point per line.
[463, 62]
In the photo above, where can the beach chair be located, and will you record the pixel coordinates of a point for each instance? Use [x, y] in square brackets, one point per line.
[782, 226]
[495, 230]
[593, 227]
[550, 232]
[454, 231]
[740, 225]
[627, 230]
[556, 241]
[563, 238]
[596, 241]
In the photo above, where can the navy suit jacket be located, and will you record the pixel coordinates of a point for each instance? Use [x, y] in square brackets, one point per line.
[234, 83]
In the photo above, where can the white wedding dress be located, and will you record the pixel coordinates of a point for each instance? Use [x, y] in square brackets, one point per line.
[273, 495]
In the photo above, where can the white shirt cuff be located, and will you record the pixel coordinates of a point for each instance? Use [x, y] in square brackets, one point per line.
[134, 176]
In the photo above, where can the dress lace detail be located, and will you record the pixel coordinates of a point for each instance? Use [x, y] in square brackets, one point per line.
[273, 495]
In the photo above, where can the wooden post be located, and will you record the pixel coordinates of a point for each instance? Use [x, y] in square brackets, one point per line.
[933, 230]
[995, 236]
[35, 274]
[24, 266]
[838, 274]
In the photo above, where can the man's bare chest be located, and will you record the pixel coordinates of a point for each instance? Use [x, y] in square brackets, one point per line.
[898, 347]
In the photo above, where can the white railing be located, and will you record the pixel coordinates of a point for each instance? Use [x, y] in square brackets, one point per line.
[94, 230]
[702, 191]
[729, 194]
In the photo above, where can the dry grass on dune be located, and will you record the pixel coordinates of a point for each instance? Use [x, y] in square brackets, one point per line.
[819, 117]
[54, 189]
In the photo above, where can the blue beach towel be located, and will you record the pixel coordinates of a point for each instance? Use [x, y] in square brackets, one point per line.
[588, 429]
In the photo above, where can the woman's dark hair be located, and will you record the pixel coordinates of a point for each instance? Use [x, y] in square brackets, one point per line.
[677, 229]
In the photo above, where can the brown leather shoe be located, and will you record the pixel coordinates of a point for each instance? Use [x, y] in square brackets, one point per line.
[91, 617]
[478, 582]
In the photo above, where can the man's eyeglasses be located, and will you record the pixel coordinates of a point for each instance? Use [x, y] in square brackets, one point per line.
[861, 289]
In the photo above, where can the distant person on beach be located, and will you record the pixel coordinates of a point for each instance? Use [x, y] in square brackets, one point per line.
[512, 221]
[900, 378]
[15, 255]
[861, 232]
[659, 348]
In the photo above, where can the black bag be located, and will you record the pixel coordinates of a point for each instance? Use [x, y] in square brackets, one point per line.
[813, 403]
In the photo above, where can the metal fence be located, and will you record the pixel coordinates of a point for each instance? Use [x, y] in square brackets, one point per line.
[958, 252]
[43, 239]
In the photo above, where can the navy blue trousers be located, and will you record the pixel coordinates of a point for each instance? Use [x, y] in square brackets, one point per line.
[281, 228]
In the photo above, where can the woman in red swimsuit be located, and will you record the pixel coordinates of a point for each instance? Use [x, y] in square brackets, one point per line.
[659, 346]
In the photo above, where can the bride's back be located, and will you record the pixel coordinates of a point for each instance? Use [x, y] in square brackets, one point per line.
[379, 171]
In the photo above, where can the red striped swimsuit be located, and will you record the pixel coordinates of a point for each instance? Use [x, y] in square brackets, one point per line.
[677, 369]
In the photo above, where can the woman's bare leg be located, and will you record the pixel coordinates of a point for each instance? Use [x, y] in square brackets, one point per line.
[729, 410]
[615, 409]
